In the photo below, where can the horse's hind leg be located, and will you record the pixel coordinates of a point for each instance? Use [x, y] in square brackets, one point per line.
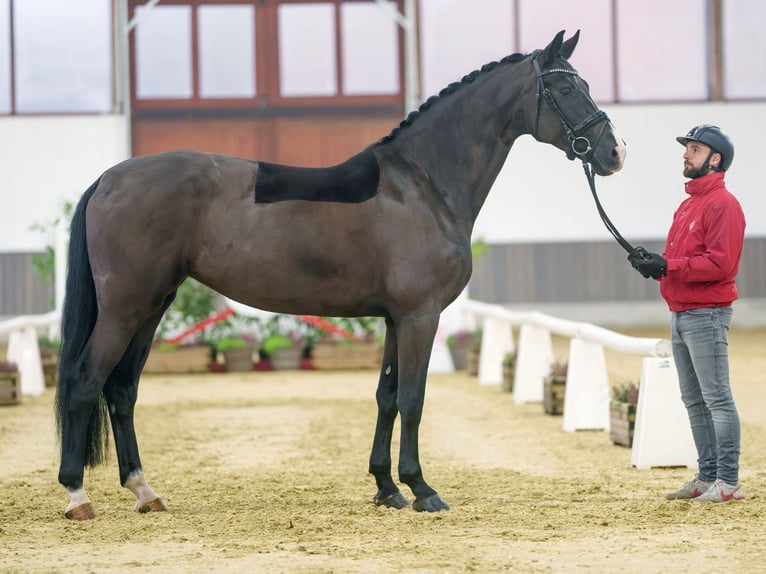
[380, 458]
[81, 413]
[121, 392]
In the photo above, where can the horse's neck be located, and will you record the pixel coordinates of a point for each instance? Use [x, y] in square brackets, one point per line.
[457, 146]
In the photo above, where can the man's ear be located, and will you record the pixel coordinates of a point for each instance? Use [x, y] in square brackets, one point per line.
[715, 160]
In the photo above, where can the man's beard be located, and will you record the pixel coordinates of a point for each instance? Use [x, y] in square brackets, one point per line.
[694, 172]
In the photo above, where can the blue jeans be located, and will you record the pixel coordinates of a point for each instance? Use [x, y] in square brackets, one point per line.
[700, 351]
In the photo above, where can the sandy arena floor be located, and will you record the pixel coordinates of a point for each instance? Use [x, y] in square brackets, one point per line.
[267, 472]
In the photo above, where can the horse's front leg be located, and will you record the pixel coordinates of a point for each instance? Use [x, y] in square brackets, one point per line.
[415, 336]
[380, 458]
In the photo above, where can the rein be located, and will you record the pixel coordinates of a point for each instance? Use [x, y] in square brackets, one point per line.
[607, 222]
[580, 144]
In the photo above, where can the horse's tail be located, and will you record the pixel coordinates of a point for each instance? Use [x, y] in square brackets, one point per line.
[78, 319]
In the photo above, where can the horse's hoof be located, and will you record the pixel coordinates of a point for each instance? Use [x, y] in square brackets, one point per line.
[82, 512]
[432, 503]
[396, 500]
[156, 505]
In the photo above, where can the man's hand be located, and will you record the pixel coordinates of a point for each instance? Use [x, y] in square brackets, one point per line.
[648, 264]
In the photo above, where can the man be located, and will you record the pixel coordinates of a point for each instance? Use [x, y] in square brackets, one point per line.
[696, 274]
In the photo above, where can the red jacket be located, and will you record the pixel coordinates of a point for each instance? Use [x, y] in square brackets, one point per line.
[703, 247]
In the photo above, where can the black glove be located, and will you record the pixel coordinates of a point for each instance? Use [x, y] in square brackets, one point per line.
[648, 264]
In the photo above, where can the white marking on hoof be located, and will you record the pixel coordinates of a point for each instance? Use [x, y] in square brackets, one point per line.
[136, 483]
[77, 497]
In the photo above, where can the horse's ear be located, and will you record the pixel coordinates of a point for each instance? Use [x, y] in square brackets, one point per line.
[568, 47]
[552, 50]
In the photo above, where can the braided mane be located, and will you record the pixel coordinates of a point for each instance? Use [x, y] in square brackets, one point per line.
[449, 90]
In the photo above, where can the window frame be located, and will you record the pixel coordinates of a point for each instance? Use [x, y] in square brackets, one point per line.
[267, 96]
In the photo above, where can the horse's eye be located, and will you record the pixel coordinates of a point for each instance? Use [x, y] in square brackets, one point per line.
[565, 91]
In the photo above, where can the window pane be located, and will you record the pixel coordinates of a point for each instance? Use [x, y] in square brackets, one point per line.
[370, 49]
[449, 32]
[744, 50]
[671, 62]
[307, 50]
[593, 57]
[163, 52]
[227, 51]
[5, 58]
[63, 56]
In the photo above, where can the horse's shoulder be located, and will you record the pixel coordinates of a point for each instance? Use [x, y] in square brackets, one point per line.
[353, 181]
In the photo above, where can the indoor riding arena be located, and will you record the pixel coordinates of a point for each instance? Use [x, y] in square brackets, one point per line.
[409, 175]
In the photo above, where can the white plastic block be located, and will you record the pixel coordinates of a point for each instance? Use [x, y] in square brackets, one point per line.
[496, 341]
[662, 435]
[533, 363]
[24, 351]
[586, 395]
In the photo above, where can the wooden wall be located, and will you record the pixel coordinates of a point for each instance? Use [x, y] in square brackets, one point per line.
[305, 141]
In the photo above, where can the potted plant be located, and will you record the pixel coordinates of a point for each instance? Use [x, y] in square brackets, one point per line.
[284, 344]
[10, 388]
[237, 351]
[554, 387]
[622, 413]
[474, 351]
[331, 351]
[459, 344]
[509, 372]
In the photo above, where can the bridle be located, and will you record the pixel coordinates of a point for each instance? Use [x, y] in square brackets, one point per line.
[580, 145]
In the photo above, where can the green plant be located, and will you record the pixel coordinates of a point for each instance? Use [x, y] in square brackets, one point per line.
[509, 359]
[464, 338]
[193, 303]
[367, 329]
[625, 393]
[232, 342]
[559, 368]
[45, 263]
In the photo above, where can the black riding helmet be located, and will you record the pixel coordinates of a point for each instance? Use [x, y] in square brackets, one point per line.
[715, 139]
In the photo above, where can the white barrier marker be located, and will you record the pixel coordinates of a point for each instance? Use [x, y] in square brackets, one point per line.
[532, 364]
[662, 436]
[24, 351]
[496, 341]
[586, 395]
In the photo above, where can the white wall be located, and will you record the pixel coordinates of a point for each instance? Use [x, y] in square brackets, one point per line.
[47, 160]
[540, 196]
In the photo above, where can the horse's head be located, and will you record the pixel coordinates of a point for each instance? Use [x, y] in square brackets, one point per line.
[564, 113]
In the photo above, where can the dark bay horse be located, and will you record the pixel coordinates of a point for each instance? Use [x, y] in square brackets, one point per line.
[387, 233]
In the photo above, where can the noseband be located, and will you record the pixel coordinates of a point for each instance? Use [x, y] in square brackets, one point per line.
[580, 145]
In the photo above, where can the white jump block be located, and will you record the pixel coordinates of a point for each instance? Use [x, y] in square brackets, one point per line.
[24, 351]
[662, 435]
[496, 341]
[533, 363]
[586, 395]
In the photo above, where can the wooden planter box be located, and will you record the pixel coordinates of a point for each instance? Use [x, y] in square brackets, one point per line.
[509, 372]
[622, 423]
[239, 359]
[286, 358]
[459, 353]
[10, 389]
[195, 359]
[50, 370]
[553, 394]
[341, 355]
[473, 362]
